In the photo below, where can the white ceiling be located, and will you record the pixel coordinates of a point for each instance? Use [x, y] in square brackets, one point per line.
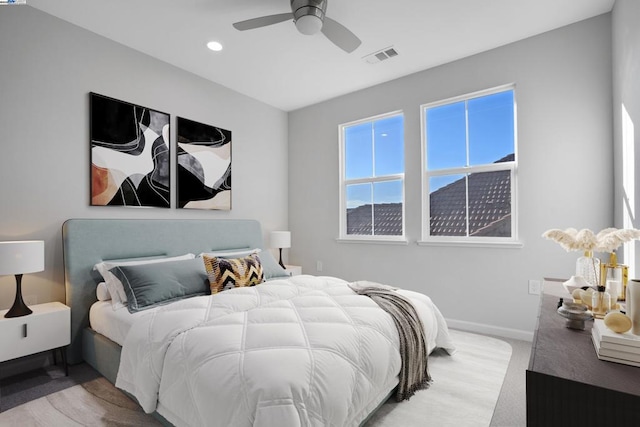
[288, 70]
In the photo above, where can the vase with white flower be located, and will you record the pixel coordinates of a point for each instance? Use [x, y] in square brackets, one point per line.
[585, 241]
[588, 267]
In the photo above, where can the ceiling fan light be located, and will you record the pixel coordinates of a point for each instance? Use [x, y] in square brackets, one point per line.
[309, 24]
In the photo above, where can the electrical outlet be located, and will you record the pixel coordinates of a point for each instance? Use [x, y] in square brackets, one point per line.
[534, 287]
[318, 265]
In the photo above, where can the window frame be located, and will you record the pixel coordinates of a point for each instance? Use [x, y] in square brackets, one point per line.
[512, 167]
[344, 183]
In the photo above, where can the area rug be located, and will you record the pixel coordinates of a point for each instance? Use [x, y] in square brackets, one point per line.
[464, 392]
[94, 403]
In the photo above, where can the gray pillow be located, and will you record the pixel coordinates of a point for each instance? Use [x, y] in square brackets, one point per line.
[270, 266]
[150, 285]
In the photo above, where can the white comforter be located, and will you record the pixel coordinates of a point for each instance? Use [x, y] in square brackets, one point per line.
[304, 351]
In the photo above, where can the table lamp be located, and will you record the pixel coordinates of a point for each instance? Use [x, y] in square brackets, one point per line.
[18, 258]
[280, 240]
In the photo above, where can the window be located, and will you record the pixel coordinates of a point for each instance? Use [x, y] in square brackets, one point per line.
[469, 168]
[372, 178]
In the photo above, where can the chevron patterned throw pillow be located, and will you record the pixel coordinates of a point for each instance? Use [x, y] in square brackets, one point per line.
[228, 273]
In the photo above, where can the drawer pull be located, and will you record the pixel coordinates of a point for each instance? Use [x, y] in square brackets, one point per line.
[24, 330]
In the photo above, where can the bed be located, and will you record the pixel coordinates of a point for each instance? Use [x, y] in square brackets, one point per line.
[300, 350]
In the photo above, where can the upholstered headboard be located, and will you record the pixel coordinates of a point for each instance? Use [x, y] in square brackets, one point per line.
[89, 241]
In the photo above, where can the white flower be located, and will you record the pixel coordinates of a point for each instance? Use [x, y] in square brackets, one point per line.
[607, 240]
[610, 239]
[572, 239]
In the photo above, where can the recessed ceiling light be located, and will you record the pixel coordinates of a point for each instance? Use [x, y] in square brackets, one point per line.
[215, 46]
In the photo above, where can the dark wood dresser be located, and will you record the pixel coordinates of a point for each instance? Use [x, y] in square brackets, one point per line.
[567, 385]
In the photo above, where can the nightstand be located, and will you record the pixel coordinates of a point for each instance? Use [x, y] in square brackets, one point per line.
[293, 270]
[47, 328]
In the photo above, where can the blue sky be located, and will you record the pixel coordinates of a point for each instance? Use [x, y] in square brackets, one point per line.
[388, 142]
[491, 137]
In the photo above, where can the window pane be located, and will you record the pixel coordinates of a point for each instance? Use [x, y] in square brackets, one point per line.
[387, 214]
[358, 149]
[448, 205]
[446, 136]
[490, 204]
[389, 145]
[491, 130]
[359, 209]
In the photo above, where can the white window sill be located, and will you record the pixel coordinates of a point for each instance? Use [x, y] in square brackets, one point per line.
[398, 241]
[470, 244]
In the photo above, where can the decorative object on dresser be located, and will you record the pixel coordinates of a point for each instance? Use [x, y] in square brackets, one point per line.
[615, 277]
[617, 321]
[615, 347]
[574, 283]
[588, 267]
[130, 154]
[204, 166]
[18, 258]
[584, 240]
[280, 240]
[633, 305]
[575, 313]
[600, 302]
[607, 240]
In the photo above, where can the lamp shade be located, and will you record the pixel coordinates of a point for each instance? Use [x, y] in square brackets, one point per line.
[21, 257]
[280, 239]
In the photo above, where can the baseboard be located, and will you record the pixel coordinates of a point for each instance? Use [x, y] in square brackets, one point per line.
[490, 330]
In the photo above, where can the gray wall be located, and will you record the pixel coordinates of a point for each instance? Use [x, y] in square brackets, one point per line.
[47, 69]
[565, 129]
[565, 176]
[626, 115]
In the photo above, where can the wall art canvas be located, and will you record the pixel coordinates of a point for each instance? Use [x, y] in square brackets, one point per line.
[204, 166]
[130, 154]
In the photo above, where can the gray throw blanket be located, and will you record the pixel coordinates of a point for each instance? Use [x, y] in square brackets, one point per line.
[414, 374]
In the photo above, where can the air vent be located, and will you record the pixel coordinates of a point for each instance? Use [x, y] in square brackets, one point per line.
[381, 55]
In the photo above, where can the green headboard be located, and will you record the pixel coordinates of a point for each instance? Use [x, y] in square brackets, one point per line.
[89, 241]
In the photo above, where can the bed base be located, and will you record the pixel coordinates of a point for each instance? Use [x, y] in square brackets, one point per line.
[103, 355]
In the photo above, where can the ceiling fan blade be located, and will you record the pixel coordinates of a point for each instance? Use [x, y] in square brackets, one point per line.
[262, 21]
[340, 35]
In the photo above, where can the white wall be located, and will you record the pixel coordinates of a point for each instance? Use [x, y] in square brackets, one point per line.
[626, 121]
[563, 89]
[47, 69]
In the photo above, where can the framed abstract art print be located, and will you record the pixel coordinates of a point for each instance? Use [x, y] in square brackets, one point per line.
[204, 166]
[130, 154]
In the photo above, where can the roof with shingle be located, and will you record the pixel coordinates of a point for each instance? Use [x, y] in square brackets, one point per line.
[489, 206]
[489, 209]
[388, 219]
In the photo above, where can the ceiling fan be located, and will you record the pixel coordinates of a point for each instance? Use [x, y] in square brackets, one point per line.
[309, 18]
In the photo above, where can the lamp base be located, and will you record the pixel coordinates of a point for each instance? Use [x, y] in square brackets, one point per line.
[280, 262]
[19, 308]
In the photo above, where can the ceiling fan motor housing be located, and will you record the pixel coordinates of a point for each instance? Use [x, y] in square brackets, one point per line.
[308, 15]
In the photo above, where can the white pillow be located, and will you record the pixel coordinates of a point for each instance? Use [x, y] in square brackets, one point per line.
[231, 253]
[102, 292]
[116, 290]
